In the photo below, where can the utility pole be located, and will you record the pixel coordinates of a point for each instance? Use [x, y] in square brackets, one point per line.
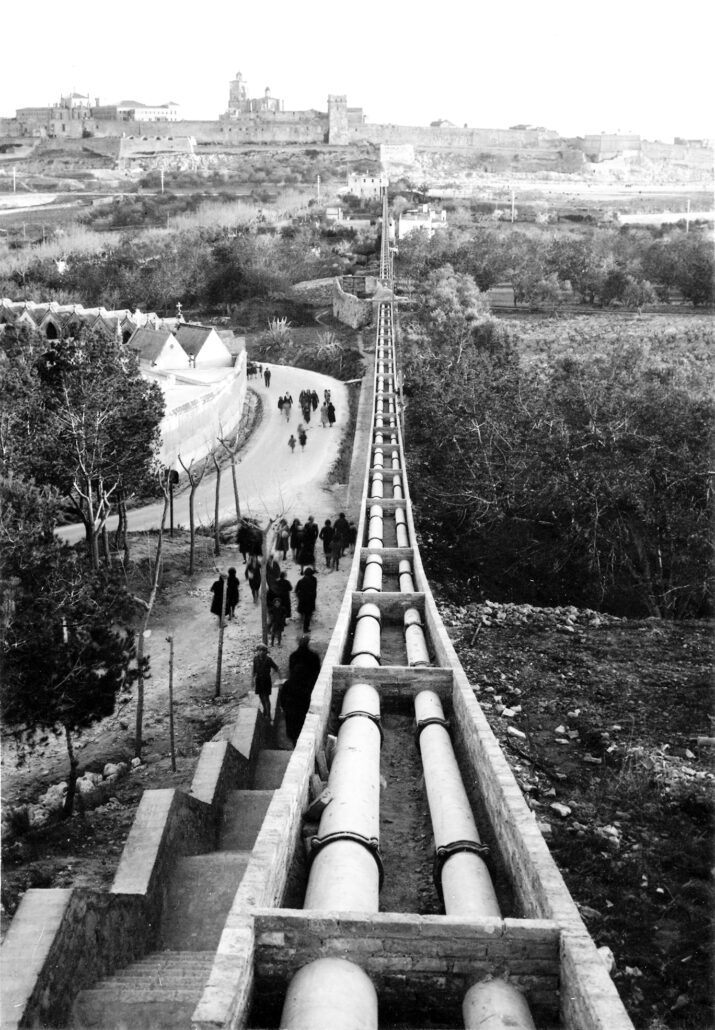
[687, 217]
[161, 170]
[14, 180]
[512, 205]
[318, 187]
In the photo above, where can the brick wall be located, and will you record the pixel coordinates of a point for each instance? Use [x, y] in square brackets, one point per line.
[421, 966]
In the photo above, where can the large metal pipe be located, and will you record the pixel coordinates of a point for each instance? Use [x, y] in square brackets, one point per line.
[346, 868]
[496, 1005]
[366, 637]
[397, 493]
[372, 574]
[401, 533]
[375, 532]
[464, 879]
[407, 583]
[376, 485]
[415, 643]
[330, 994]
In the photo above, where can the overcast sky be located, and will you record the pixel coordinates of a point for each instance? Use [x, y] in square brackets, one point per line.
[617, 65]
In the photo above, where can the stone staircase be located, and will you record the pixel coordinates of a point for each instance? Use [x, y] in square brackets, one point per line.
[161, 990]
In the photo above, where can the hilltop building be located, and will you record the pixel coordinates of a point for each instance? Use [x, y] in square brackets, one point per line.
[239, 102]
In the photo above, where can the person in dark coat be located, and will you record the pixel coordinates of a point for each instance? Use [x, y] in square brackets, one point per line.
[263, 665]
[296, 537]
[342, 532]
[253, 575]
[302, 438]
[326, 535]
[314, 400]
[273, 571]
[306, 555]
[303, 671]
[277, 617]
[217, 599]
[306, 590]
[282, 591]
[231, 593]
[331, 414]
[267, 377]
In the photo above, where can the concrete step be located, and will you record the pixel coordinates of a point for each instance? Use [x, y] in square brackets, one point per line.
[159, 991]
[270, 768]
[200, 895]
[243, 815]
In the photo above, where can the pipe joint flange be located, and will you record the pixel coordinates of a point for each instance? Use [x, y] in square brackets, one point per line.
[434, 720]
[367, 715]
[446, 851]
[372, 844]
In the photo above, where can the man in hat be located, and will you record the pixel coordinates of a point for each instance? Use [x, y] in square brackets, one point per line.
[306, 590]
[263, 664]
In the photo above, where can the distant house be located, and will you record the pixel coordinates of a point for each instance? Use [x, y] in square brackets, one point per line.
[334, 213]
[203, 345]
[365, 186]
[158, 348]
[424, 217]
[132, 110]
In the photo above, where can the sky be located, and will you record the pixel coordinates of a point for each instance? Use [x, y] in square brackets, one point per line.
[621, 65]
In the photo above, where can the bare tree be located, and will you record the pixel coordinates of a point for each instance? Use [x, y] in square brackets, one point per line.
[217, 504]
[194, 476]
[232, 445]
[148, 606]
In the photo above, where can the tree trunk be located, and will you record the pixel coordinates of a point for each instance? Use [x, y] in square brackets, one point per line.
[148, 607]
[235, 488]
[221, 627]
[265, 552]
[72, 778]
[105, 544]
[217, 536]
[192, 529]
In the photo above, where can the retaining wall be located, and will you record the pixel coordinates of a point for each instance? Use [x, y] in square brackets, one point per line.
[191, 429]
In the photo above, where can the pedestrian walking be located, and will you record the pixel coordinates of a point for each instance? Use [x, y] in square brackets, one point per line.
[280, 404]
[323, 414]
[273, 572]
[302, 439]
[253, 575]
[296, 537]
[217, 599]
[263, 666]
[283, 539]
[314, 400]
[306, 590]
[267, 377]
[282, 591]
[336, 552]
[303, 671]
[331, 414]
[352, 537]
[287, 406]
[306, 554]
[277, 618]
[291, 443]
[232, 593]
[342, 532]
[326, 535]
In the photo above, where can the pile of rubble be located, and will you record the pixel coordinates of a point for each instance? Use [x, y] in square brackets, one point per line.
[566, 618]
[92, 790]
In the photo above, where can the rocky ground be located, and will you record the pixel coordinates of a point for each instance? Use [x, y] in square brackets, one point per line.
[608, 724]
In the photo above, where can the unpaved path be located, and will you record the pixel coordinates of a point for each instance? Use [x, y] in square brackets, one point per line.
[272, 481]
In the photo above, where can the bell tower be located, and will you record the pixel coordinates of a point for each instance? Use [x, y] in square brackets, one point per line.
[238, 95]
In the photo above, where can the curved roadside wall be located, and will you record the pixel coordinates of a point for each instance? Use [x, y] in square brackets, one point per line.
[191, 429]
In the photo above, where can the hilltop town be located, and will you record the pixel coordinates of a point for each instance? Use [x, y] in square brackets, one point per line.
[121, 135]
